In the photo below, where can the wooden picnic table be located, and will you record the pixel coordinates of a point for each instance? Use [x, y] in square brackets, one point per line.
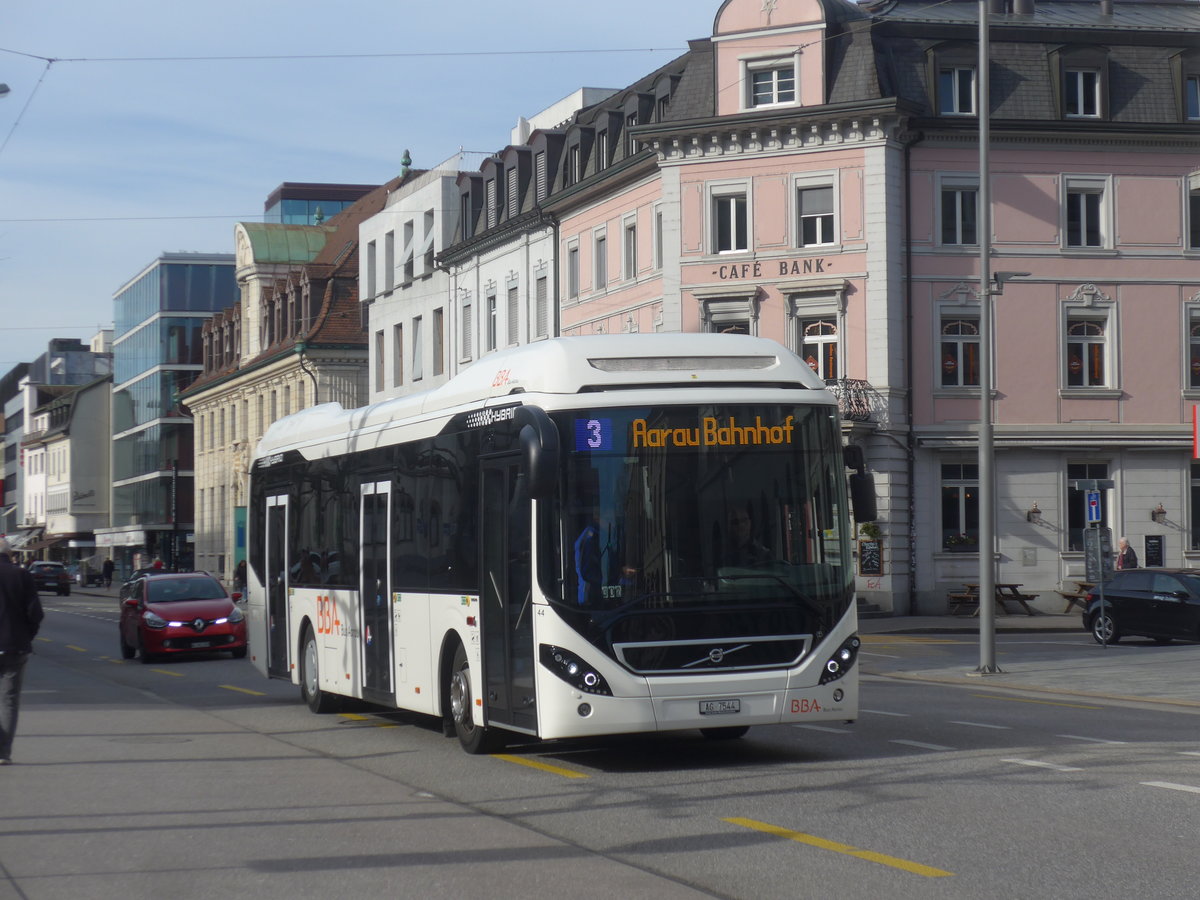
[1004, 591]
[1077, 596]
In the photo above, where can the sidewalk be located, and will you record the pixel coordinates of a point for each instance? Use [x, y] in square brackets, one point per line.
[1135, 670]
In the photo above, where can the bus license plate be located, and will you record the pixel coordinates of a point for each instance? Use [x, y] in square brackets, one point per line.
[720, 707]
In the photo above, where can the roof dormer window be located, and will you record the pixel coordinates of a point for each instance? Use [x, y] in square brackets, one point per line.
[771, 81]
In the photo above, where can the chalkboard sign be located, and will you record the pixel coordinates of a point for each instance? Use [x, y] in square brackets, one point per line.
[1154, 551]
[870, 557]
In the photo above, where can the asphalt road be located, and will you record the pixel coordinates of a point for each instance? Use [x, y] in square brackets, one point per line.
[199, 778]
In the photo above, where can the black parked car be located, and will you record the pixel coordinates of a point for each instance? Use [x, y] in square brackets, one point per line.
[1163, 604]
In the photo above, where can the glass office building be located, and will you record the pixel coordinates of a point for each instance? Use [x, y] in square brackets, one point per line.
[157, 352]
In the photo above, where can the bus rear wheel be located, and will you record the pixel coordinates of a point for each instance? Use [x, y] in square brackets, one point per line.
[317, 700]
[474, 738]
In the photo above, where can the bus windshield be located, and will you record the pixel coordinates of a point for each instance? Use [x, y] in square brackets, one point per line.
[705, 507]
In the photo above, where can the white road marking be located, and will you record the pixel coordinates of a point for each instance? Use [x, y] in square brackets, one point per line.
[884, 712]
[1173, 787]
[825, 729]
[1090, 740]
[1038, 764]
[983, 725]
[920, 745]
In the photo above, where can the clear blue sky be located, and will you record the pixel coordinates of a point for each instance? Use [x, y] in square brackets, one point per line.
[131, 144]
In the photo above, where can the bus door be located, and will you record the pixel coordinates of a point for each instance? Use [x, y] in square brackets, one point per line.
[376, 591]
[507, 614]
[276, 574]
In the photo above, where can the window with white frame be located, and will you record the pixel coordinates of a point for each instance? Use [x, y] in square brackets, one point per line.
[770, 82]
[959, 211]
[430, 242]
[491, 324]
[389, 261]
[573, 271]
[1193, 357]
[1081, 93]
[960, 506]
[814, 206]
[631, 121]
[729, 222]
[602, 151]
[418, 350]
[1194, 212]
[573, 173]
[379, 361]
[541, 300]
[658, 237]
[466, 219]
[439, 339]
[959, 361]
[956, 90]
[629, 249]
[513, 313]
[468, 323]
[1086, 212]
[1191, 97]
[1087, 349]
[371, 269]
[729, 314]
[410, 269]
[600, 261]
[819, 346]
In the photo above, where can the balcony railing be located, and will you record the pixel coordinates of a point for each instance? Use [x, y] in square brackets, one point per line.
[855, 397]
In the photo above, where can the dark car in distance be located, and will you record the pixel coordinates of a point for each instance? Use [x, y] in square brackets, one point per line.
[51, 576]
[179, 613]
[1162, 604]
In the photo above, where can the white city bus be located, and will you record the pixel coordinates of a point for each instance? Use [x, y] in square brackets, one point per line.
[579, 537]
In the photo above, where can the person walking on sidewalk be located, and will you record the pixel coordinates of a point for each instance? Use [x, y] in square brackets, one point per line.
[1126, 557]
[108, 572]
[20, 617]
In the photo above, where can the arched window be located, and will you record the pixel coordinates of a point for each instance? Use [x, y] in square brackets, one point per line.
[960, 353]
[819, 347]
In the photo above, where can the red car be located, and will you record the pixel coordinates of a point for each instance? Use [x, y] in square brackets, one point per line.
[173, 613]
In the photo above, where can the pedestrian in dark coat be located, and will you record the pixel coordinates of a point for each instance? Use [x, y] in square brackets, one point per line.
[20, 617]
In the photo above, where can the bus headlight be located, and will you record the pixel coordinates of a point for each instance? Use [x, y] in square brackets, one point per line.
[573, 670]
[841, 661]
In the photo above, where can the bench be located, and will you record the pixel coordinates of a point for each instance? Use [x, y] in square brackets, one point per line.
[1004, 592]
[1073, 597]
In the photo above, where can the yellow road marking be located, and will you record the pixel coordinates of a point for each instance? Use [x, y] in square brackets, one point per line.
[80, 649]
[242, 690]
[869, 855]
[1039, 702]
[354, 717]
[538, 764]
[168, 672]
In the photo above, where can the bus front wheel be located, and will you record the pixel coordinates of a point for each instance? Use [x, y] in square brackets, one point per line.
[318, 700]
[474, 738]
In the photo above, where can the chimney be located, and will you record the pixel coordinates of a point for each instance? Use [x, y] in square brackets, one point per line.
[1106, 8]
[997, 7]
[1023, 7]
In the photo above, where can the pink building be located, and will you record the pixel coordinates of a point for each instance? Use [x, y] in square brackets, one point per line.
[810, 173]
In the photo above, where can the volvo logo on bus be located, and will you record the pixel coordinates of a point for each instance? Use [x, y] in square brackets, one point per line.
[715, 655]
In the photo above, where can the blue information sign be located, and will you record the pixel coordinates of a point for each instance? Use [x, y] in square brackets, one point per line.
[1093, 506]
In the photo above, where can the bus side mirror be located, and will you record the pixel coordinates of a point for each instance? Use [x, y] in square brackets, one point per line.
[539, 451]
[862, 485]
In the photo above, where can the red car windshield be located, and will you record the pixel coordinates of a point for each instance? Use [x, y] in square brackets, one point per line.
[168, 590]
